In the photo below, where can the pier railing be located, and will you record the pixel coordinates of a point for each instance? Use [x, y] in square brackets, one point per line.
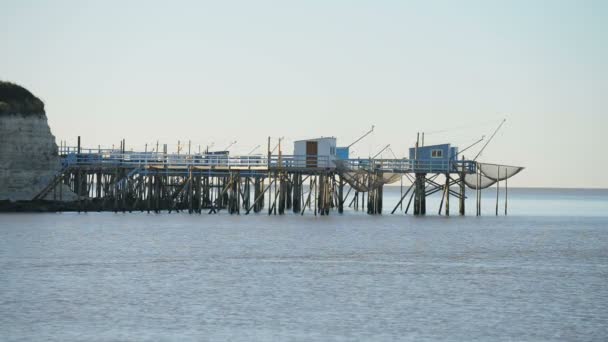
[173, 160]
[407, 165]
[112, 157]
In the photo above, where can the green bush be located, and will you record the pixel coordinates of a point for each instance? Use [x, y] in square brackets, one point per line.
[14, 99]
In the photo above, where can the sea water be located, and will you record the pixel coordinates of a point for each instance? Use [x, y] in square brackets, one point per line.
[539, 274]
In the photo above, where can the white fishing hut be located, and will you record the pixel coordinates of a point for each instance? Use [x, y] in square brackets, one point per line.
[318, 152]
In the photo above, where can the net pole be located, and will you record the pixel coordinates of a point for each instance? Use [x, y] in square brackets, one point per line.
[480, 193]
[477, 193]
[506, 194]
[497, 187]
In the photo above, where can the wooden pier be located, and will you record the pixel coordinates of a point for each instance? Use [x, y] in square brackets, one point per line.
[124, 181]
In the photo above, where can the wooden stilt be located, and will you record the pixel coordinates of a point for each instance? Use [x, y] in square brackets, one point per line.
[461, 208]
[447, 194]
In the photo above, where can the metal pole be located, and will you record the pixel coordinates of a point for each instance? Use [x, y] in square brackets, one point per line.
[491, 137]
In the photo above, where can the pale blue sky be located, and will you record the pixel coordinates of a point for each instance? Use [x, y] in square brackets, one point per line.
[225, 70]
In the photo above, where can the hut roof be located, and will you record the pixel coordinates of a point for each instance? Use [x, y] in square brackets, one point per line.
[316, 139]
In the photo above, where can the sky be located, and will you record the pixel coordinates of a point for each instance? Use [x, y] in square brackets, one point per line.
[213, 72]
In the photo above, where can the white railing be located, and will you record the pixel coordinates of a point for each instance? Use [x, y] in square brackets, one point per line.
[143, 159]
[89, 156]
[407, 165]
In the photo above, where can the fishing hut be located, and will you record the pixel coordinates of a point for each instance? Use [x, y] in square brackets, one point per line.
[316, 152]
[430, 162]
[343, 153]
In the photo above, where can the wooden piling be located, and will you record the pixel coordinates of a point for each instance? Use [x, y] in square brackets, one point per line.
[447, 194]
[420, 194]
[461, 204]
[341, 198]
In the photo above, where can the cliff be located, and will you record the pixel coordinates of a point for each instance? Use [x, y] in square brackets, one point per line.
[28, 152]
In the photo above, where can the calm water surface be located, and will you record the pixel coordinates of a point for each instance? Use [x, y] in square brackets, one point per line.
[540, 274]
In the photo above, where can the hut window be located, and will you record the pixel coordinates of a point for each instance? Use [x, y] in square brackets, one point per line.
[436, 153]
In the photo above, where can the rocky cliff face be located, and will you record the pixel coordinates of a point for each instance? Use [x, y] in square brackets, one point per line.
[28, 152]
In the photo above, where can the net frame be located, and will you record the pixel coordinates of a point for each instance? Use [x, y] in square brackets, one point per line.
[489, 174]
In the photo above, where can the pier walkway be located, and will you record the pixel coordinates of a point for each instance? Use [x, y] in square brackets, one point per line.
[117, 180]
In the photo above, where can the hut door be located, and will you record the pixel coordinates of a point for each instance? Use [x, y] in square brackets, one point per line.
[311, 153]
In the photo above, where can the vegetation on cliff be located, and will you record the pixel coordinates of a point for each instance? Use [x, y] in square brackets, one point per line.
[14, 99]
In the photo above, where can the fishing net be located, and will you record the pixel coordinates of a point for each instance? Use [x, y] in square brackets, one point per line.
[389, 177]
[357, 180]
[364, 181]
[489, 174]
[484, 182]
[499, 172]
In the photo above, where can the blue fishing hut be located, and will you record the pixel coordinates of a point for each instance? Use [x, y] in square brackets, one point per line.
[433, 158]
[342, 153]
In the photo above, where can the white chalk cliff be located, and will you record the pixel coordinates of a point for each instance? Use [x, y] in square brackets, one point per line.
[28, 152]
